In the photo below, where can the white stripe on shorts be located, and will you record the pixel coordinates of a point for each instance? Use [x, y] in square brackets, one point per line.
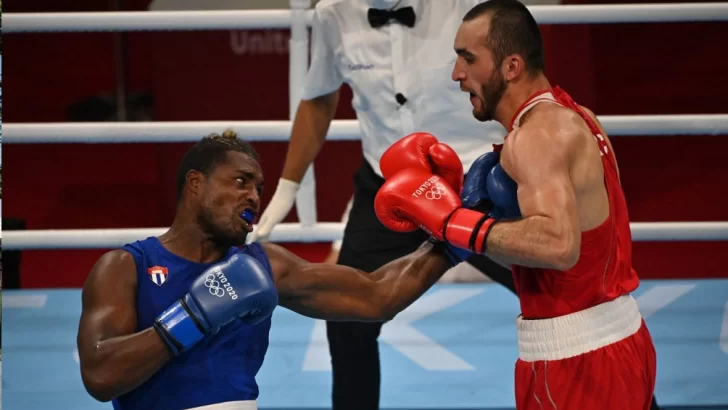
[230, 405]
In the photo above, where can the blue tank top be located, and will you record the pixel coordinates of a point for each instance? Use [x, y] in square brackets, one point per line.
[221, 367]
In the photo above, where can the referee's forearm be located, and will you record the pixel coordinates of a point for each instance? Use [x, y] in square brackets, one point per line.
[308, 134]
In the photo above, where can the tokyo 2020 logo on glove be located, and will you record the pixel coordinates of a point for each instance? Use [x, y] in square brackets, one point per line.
[435, 192]
[214, 286]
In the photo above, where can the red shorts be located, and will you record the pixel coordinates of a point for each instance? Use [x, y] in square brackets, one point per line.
[598, 359]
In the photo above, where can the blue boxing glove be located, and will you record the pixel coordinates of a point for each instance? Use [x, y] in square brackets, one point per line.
[238, 287]
[475, 192]
[503, 192]
[474, 195]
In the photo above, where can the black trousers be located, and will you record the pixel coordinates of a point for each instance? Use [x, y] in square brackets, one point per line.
[368, 245]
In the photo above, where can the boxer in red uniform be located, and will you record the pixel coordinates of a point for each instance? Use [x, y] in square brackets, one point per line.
[554, 211]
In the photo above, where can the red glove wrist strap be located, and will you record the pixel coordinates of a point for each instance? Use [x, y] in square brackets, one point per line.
[468, 229]
[481, 234]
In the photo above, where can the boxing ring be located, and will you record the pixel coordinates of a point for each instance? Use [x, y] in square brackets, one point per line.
[448, 372]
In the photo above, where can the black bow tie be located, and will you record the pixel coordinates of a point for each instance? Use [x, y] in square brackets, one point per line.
[379, 17]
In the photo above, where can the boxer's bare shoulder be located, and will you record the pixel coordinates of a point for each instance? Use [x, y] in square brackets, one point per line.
[549, 131]
[108, 299]
[109, 287]
[559, 121]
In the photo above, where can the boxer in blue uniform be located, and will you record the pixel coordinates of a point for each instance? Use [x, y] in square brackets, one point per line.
[181, 321]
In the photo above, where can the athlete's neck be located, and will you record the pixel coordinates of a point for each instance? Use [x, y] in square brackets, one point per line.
[187, 240]
[516, 95]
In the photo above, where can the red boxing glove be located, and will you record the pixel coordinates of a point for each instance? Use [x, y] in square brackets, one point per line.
[422, 151]
[413, 198]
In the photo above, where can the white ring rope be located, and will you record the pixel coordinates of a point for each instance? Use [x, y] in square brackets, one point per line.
[320, 232]
[266, 19]
[148, 21]
[190, 131]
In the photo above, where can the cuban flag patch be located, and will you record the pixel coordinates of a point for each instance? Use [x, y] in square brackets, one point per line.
[158, 274]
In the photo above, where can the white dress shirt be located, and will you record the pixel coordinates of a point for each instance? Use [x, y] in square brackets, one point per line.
[379, 63]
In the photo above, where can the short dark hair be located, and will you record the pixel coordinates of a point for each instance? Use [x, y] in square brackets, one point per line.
[513, 30]
[208, 153]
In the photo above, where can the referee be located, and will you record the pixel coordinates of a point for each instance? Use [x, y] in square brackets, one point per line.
[397, 57]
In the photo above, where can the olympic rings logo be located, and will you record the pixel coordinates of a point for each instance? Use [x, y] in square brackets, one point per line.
[435, 192]
[214, 286]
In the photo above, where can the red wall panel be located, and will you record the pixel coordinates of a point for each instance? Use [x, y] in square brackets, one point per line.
[614, 69]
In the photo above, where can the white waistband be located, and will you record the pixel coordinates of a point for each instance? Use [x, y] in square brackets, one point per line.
[230, 405]
[578, 333]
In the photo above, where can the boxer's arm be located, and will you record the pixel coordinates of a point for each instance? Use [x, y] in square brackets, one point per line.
[308, 134]
[335, 292]
[548, 236]
[114, 357]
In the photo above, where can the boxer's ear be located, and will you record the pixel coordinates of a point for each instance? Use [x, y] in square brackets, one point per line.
[513, 67]
[195, 182]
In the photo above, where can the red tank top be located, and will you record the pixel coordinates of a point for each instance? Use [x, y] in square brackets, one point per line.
[604, 269]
